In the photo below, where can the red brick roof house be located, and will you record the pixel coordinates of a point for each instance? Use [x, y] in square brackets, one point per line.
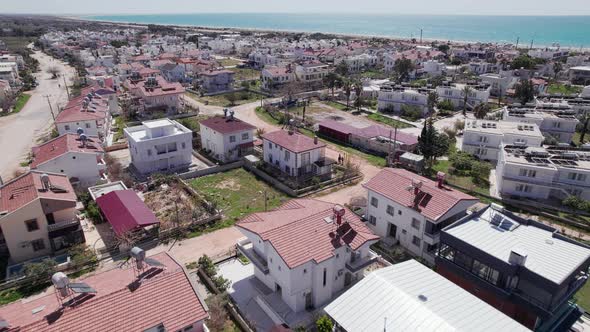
[165, 299]
[156, 93]
[80, 158]
[227, 138]
[38, 216]
[410, 209]
[125, 211]
[308, 250]
[89, 112]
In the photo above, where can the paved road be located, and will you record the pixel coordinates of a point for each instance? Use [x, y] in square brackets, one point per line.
[19, 132]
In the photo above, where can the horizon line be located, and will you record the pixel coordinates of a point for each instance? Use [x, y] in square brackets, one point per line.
[81, 15]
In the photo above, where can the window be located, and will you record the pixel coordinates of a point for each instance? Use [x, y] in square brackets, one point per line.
[304, 271]
[325, 274]
[463, 260]
[576, 177]
[183, 144]
[399, 212]
[556, 124]
[374, 202]
[38, 244]
[483, 139]
[481, 151]
[415, 223]
[245, 136]
[416, 241]
[67, 127]
[447, 252]
[372, 220]
[525, 188]
[232, 139]
[485, 272]
[389, 210]
[88, 125]
[287, 155]
[32, 225]
[528, 173]
[269, 145]
[149, 152]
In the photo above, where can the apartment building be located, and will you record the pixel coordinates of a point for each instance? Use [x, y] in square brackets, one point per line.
[580, 75]
[156, 93]
[147, 294]
[455, 93]
[499, 84]
[213, 81]
[524, 268]
[484, 138]
[558, 122]
[38, 216]
[273, 78]
[296, 155]
[414, 298]
[551, 173]
[307, 250]
[159, 145]
[393, 98]
[227, 138]
[358, 63]
[409, 209]
[78, 156]
[312, 72]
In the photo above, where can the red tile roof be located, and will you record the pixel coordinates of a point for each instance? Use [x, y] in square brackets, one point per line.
[294, 142]
[125, 211]
[63, 144]
[433, 202]
[168, 298]
[370, 131]
[226, 125]
[298, 232]
[74, 110]
[163, 88]
[26, 188]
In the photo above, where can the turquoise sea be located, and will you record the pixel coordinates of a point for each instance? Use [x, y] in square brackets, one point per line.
[571, 31]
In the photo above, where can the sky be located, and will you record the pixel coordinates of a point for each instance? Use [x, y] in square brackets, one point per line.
[429, 7]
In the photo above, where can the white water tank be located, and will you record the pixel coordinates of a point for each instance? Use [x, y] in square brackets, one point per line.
[517, 257]
[60, 281]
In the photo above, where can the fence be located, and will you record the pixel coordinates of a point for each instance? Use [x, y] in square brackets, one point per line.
[210, 170]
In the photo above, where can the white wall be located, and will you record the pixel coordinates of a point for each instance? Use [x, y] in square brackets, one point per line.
[220, 144]
[83, 165]
[274, 152]
[145, 158]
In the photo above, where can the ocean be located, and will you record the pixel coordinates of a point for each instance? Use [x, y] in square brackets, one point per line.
[568, 31]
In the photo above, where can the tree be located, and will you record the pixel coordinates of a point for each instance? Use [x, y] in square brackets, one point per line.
[347, 86]
[40, 272]
[525, 91]
[217, 313]
[443, 48]
[342, 69]
[54, 71]
[324, 324]
[480, 111]
[523, 61]
[331, 80]
[480, 171]
[431, 101]
[358, 91]
[402, 68]
[557, 67]
[432, 144]
[260, 132]
[466, 91]
[232, 97]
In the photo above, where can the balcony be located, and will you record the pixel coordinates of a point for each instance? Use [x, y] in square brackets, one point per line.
[361, 263]
[431, 238]
[247, 249]
[73, 223]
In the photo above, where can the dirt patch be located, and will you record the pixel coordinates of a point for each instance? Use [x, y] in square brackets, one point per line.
[230, 184]
[172, 203]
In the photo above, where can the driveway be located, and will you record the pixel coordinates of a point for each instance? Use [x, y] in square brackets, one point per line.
[19, 132]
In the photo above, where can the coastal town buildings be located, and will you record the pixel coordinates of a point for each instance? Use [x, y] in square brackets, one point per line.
[455, 93]
[392, 98]
[557, 121]
[227, 138]
[214, 81]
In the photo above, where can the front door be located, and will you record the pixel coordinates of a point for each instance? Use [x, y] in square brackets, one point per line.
[392, 231]
[278, 289]
[50, 218]
[308, 301]
[347, 279]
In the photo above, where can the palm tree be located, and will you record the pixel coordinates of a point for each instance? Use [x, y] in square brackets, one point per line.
[557, 67]
[347, 86]
[466, 92]
[432, 100]
[480, 111]
[331, 81]
[358, 91]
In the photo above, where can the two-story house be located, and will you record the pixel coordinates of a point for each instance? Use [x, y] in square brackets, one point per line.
[155, 93]
[307, 250]
[273, 78]
[213, 81]
[160, 145]
[524, 268]
[409, 209]
[455, 93]
[227, 138]
[78, 156]
[393, 98]
[87, 112]
[484, 138]
[312, 72]
[38, 216]
[296, 155]
[543, 173]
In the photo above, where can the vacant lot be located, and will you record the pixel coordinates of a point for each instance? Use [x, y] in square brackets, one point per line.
[227, 99]
[237, 193]
[245, 74]
[173, 205]
[388, 121]
[564, 89]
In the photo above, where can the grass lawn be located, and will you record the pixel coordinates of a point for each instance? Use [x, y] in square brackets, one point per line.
[20, 102]
[564, 89]
[192, 122]
[242, 97]
[583, 296]
[245, 74]
[335, 105]
[237, 193]
[119, 125]
[229, 62]
[461, 181]
[374, 74]
[388, 121]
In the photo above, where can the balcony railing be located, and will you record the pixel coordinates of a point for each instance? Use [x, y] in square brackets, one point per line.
[432, 238]
[247, 249]
[361, 263]
[62, 225]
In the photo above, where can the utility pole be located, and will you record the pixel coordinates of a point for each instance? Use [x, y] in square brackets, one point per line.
[66, 85]
[420, 35]
[51, 109]
[517, 41]
[532, 40]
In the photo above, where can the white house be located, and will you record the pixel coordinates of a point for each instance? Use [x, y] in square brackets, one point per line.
[409, 209]
[393, 98]
[275, 77]
[78, 156]
[559, 123]
[89, 112]
[432, 68]
[455, 93]
[539, 173]
[358, 63]
[159, 145]
[499, 83]
[227, 138]
[307, 250]
[295, 154]
[484, 138]
[311, 73]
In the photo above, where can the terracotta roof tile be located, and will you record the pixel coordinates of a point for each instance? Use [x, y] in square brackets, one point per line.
[298, 232]
[294, 142]
[433, 201]
[63, 144]
[225, 125]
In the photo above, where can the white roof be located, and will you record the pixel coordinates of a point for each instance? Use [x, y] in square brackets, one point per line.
[410, 297]
[157, 123]
[547, 256]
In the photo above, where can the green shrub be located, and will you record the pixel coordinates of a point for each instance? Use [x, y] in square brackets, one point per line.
[461, 161]
[446, 105]
[324, 324]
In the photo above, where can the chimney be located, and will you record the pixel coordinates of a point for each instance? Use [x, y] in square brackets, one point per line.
[225, 113]
[339, 212]
[315, 139]
[440, 178]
